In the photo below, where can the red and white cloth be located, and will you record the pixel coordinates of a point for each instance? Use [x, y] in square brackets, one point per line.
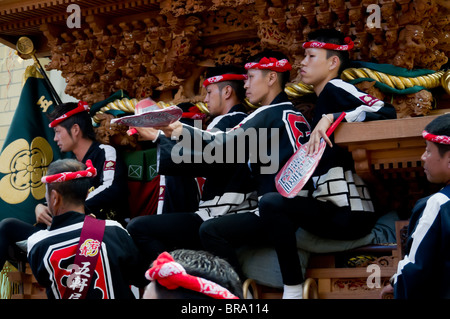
[82, 107]
[440, 139]
[90, 171]
[330, 46]
[224, 77]
[272, 64]
[172, 275]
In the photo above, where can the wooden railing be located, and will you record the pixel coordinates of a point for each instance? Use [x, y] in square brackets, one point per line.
[395, 144]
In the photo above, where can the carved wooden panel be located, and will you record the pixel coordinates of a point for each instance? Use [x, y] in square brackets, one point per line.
[162, 53]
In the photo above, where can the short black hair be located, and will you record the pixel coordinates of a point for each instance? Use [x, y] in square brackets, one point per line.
[236, 85]
[73, 191]
[83, 119]
[286, 75]
[332, 36]
[440, 126]
[205, 265]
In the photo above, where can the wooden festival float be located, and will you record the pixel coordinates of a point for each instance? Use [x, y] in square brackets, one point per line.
[161, 49]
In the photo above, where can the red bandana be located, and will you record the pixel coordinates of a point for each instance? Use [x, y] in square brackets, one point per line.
[82, 107]
[67, 176]
[193, 113]
[270, 64]
[440, 139]
[172, 275]
[224, 77]
[329, 46]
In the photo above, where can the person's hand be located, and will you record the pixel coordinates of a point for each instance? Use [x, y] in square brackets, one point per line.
[151, 133]
[146, 133]
[320, 131]
[173, 130]
[387, 290]
[43, 214]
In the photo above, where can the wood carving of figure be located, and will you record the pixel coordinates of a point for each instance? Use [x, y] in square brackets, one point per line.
[307, 10]
[413, 105]
[323, 5]
[410, 45]
[294, 37]
[112, 133]
[377, 52]
[325, 19]
[391, 47]
[339, 8]
[441, 59]
[388, 12]
[355, 15]
[418, 12]
[362, 45]
[369, 88]
[426, 59]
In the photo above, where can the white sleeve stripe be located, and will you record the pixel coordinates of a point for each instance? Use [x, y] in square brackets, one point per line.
[249, 117]
[108, 175]
[427, 219]
[357, 114]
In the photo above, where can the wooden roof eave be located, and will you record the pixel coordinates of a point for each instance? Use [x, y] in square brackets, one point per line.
[26, 18]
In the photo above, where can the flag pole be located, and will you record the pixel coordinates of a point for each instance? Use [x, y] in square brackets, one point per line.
[26, 47]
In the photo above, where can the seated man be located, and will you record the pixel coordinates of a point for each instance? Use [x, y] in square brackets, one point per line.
[223, 99]
[424, 272]
[335, 203]
[189, 274]
[228, 191]
[74, 133]
[79, 256]
[264, 141]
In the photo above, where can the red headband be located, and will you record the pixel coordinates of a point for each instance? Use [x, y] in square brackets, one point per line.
[67, 176]
[224, 77]
[329, 46]
[172, 275]
[82, 106]
[193, 113]
[440, 139]
[270, 64]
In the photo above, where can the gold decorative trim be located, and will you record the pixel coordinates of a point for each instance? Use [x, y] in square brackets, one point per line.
[429, 81]
[31, 71]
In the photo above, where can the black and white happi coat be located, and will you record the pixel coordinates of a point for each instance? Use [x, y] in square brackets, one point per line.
[109, 193]
[249, 155]
[424, 272]
[334, 179]
[231, 191]
[51, 253]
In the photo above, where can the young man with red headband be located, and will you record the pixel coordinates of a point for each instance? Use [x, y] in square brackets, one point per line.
[225, 93]
[78, 256]
[227, 191]
[276, 125]
[74, 133]
[335, 203]
[192, 274]
[424, 272]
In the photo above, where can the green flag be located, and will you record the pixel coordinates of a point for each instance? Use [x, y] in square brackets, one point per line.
[28, 151]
